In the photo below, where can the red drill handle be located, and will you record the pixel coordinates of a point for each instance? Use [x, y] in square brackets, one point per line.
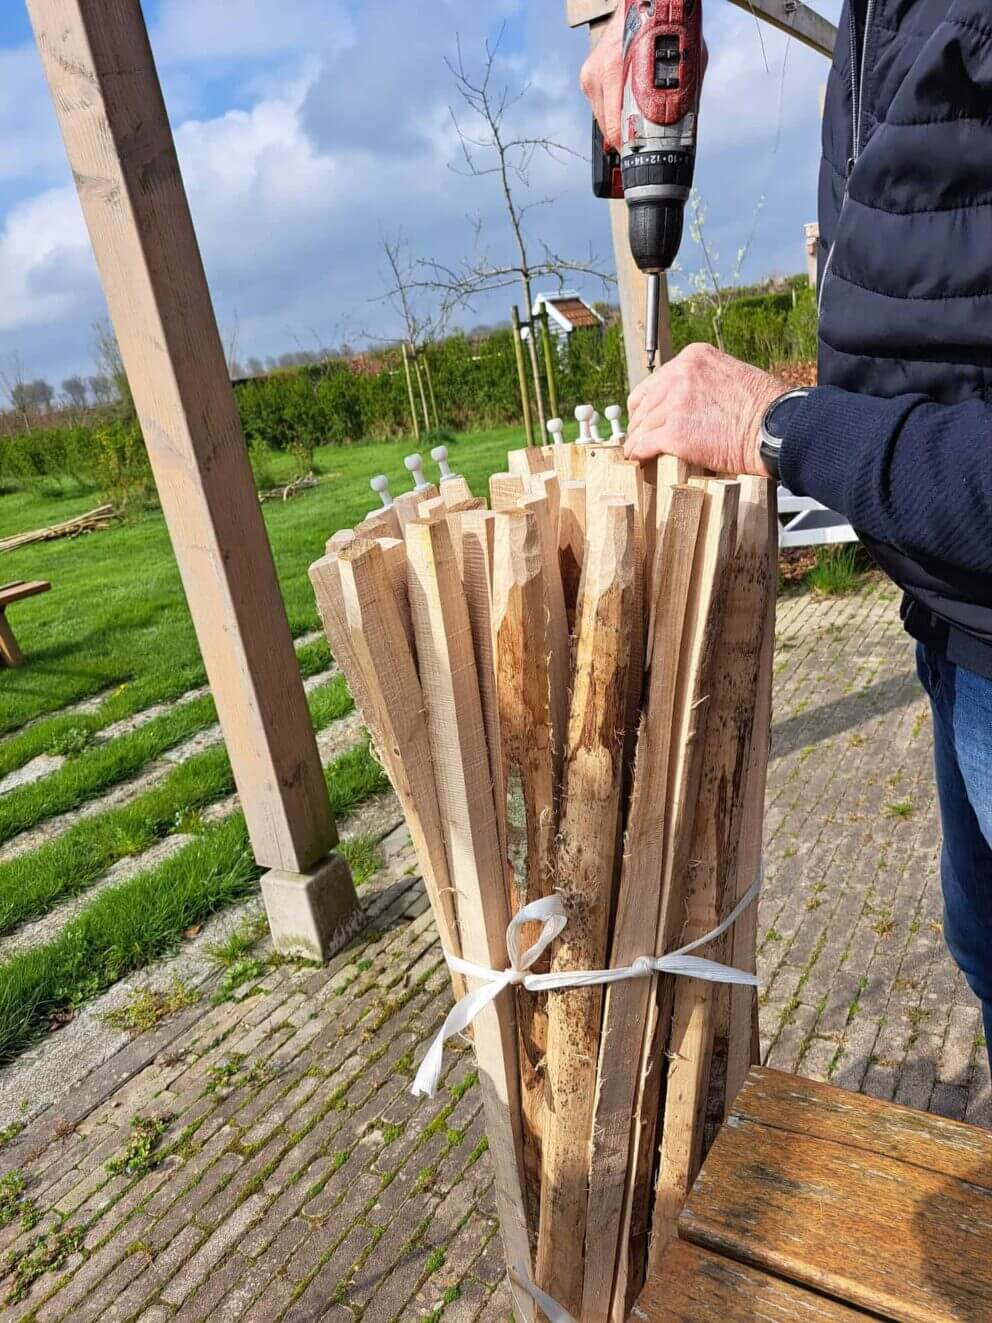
[663, 63]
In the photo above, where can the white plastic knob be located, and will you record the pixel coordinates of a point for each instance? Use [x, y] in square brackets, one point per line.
[583, 415]
[380, 485]
[613, 413]
[594, 427]
[555, 428]
[415, 467]
[440, 457]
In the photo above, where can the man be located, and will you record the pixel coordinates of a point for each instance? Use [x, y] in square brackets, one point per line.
[898, 435]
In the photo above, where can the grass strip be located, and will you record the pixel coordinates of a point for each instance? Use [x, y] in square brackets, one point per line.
[128, 926]
[98, 768]
[33, 882]
[127, 700]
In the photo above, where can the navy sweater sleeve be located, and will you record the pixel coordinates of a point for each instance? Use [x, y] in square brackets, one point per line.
[905, 471]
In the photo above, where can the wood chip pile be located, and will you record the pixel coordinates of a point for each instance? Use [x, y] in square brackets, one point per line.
[570, 692]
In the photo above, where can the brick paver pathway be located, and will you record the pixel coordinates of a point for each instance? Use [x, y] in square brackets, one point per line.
[285, 1171]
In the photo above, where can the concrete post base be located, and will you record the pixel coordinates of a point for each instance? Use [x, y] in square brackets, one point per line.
[312, 915]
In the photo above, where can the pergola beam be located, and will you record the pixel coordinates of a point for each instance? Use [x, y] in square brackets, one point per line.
[110, 109]
[792, 16]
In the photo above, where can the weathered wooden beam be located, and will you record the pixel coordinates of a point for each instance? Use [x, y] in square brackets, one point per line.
[592, 777]
[108, 101]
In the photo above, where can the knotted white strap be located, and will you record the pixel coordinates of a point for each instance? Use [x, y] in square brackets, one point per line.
[551, 1309]
[550, 912]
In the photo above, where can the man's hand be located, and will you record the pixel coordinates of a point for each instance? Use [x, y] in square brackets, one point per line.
[602, 79]
[706, 408]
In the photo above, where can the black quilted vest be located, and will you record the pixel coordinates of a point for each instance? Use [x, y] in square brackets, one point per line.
[905, 204]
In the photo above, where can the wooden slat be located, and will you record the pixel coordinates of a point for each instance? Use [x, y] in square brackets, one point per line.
[380, 523]
[587, 858]
[792, 16]
[407, 505]
[10, 652]
[571, 542]
[20, 589]
[526, 462]
[108, 100]
[822, 1111]
[358, 591]
[743, 1047]
[505, 490]
[636, 919]
[455, 491]
[906, 1243]
[530, 765]
[557, 641]
[465, 799]
[694, 1286]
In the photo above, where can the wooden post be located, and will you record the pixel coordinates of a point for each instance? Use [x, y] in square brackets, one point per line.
[430, 388]
[518, 350]
[109, 105]
[410, 395]
[587, 857]
[549, 362]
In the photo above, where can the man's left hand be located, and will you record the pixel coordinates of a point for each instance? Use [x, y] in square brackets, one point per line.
[705, 407]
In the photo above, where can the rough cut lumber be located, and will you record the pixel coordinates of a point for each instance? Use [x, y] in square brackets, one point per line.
[380, 523]
[571, 542]
[557, 640]
[394, 715]
[569, 462]
[407, 505]
[478, 533]
[342, 538]
[108, 101]
[759, 522]
[895, 1238]
[717, 821]
[530, 762]
[527, 462]
[546, 484]
[465, 799]
[453, 515]
[394, 555]
[592, 778]
[505, 490]
[701, 635]
[455, 491]
[637, 913]
[434, 507]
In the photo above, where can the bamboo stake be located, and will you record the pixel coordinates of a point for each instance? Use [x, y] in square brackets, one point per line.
[420, 385]
[638, 905]
[695, 671]
[549, 366]
[409, 391]
[430, 387]
[590, 823]
[518, 350]
[759, 497]
[465, 797]
[524, 689]
[505, 490]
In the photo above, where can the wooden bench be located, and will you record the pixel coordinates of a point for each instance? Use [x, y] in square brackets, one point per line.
[822, 1206]
[10, 653]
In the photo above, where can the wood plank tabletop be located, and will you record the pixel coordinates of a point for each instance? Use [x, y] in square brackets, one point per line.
[810, 1191]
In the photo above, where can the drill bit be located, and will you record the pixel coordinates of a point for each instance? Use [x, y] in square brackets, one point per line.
[651, 316]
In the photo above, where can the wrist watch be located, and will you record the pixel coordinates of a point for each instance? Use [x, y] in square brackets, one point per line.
[775, 428]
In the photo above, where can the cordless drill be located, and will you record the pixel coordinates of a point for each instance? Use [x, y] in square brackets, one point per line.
[662, 77]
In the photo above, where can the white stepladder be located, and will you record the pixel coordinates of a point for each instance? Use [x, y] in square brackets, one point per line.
[810, 524]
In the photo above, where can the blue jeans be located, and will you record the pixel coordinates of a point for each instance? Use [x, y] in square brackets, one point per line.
[962, 729]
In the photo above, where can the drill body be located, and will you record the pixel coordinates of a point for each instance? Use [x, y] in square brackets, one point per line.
[662, 77]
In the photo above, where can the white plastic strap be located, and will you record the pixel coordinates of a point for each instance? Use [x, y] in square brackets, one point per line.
[550, 912]
[551, 1309]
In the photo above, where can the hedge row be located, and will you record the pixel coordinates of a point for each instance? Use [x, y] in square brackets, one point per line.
[475, 385]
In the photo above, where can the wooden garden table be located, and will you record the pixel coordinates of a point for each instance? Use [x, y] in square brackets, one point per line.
[816, 1205]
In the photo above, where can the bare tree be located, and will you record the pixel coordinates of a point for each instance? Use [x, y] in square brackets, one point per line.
[101, 388]
[715, 291]
[492, 148]
[76, 391]
[404, 297]
[13, 382]
[110, 366]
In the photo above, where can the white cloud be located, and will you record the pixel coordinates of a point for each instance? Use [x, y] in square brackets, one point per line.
[45, 260]
[194, 30]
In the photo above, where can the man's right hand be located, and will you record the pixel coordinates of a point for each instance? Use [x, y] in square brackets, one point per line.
[602, 78]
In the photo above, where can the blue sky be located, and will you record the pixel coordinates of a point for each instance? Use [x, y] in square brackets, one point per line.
[309, 130]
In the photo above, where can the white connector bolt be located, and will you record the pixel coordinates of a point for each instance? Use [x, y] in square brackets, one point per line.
[440, 457]
[380, 485]
[415, 467]
[594, 427]
[555, 428]
[583, 416]
[613, 413]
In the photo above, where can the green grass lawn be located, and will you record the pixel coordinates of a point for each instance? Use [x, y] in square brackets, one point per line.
[117, 615]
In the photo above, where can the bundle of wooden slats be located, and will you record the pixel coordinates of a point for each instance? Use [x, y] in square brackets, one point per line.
[570, 691]
[91, 522]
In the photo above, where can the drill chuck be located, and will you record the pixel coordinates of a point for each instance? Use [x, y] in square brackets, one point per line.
[655, 233]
